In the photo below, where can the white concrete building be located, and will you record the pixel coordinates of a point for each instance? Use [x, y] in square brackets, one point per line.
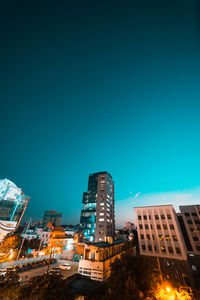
[191, 219]
[159, 232]
[13, 203]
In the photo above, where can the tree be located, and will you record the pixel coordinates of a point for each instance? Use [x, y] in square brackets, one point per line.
[45, 287]
[10, 286]
[132, 277]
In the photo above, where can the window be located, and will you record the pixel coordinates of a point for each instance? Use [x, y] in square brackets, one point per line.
[155, 248]
[146, 226]
[156, 217]
[165, 226]
[140, 226]
[171, 226]
[160, 237]
[143, 247]
[174, 237]
[195, 238]
[198, 248]
[149, 247]
[145, 217]
[186, 214]
[194, 214]
[101, 204]
[151, 226]
[158, 227]
[148, 237]
[167, 237]
[189, 221]
[149, 217]
[170, 250]
[197, 222]
[163, 249]
[101, 214]
[178, 250]
[162, 217]
[169, 217]
[139, 218]
[153, 237]
[142, 236]
[101, 219]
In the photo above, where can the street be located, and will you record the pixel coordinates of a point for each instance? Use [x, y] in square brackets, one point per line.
[25, 276]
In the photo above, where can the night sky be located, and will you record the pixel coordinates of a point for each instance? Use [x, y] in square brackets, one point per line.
[89, 86]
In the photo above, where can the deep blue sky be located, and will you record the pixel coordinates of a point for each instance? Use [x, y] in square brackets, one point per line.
[88, 86]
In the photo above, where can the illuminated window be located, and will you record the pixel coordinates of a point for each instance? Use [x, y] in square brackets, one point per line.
[101, 204]
[167, 237]
[101, 219]
[163, 249]
[174, 237]
[101, 214]
[161, 237]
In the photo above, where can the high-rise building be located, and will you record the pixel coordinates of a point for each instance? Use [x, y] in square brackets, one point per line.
[97, 216]
[52, 216]
[13, 203]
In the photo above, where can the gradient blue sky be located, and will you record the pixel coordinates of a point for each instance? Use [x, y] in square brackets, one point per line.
[88, 86]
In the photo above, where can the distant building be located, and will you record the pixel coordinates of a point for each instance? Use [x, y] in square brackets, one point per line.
[13, 204]
[97, 259]
[52, 216]
[97, 217]
[29, 234]
[130, 226]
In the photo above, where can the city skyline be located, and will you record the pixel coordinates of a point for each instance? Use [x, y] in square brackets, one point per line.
[99, 86]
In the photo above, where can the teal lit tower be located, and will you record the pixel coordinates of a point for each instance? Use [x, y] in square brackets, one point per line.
[97, 217]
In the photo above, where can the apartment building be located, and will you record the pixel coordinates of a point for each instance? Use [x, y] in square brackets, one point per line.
[159, 232]
[97, 259]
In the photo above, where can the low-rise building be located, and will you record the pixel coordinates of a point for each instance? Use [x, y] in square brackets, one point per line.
[97, 259]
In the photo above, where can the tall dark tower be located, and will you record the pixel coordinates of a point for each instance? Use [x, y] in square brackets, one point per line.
[97, 216]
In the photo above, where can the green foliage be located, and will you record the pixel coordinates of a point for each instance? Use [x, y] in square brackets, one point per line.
[46, 287]
[132, 278]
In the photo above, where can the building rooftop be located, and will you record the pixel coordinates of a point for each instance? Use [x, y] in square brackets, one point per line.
[97, 173]
[153, 206]
[106, 244]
